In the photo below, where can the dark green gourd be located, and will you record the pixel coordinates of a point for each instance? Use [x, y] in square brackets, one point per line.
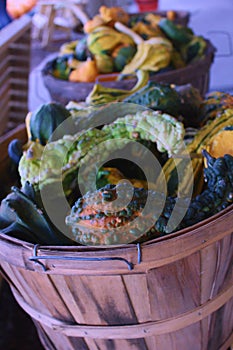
[157, 96]
[45, 120]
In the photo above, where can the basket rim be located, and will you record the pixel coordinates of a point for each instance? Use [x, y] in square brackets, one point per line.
[83, 259]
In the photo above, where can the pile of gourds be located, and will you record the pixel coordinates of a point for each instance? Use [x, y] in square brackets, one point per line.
[166, 124]
[115, 42]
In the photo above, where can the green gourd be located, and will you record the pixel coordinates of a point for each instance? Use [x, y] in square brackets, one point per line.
[81, 50]
[175, 32]
[45, 120]
[123, 55]
[157, 96]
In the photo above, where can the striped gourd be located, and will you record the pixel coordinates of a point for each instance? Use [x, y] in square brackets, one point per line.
[199, 142]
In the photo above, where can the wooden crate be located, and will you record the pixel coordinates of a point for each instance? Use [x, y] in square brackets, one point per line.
[14, 72]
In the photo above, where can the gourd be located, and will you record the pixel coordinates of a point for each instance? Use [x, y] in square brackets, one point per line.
[194, 49]
[146, 30]
[151, 55]
[93, 23]
[214, 104]
[221, 143]
[104, 63]
[80, 148]
[190, 46]
[22, 217]
[175, 32]
[123, 55]
[106, 16]
[45, 120]
[85, 72]
[81, 50]
[191, 102]
[157, 96]
[59, 67]
[103, 40]
[101, 94]
[112, 14]
[199, 142]
[20, 7]
[108, 175]
[68, 48]
[100, 217]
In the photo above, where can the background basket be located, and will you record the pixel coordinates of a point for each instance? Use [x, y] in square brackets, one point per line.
[197, 73]
[14, 72]
[175, 292]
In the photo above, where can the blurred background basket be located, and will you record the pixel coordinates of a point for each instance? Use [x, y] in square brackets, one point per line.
[175, 292]
[197, 73]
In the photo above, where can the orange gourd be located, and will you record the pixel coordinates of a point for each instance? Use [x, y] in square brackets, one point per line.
[93, 23]
[221, 144]
[85, 72]
[19, 7]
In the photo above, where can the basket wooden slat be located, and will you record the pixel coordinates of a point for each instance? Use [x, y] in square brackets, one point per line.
[178, 294]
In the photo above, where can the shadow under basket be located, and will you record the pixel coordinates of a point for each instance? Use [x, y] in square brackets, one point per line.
[197, 74]
[175, 292]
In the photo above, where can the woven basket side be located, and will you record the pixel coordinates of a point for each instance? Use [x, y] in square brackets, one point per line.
[184, 302]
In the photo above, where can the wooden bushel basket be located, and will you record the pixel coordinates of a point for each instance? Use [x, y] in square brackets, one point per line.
[172, 293]
[196, 73]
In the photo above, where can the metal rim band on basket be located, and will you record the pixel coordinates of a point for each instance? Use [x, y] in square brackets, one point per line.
[133, 331]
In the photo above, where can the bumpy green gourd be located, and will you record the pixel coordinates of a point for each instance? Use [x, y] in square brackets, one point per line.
[96, 218]
[215, 104]
[157, 96]
[62, 158]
